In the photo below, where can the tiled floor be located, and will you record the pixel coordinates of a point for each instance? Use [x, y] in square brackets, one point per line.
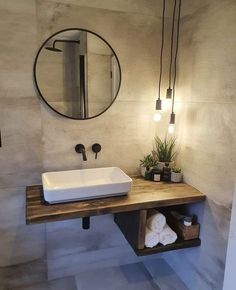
[151, 275]
[129, 277]
[59, 284]
[30, 273]
[164, 276]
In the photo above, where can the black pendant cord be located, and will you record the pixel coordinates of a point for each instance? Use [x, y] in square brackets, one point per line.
[176, 54]
[162, 47]
[172, 44]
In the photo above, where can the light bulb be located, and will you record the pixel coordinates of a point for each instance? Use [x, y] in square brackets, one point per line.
[171, 128]
[166, 104]
[157, 117]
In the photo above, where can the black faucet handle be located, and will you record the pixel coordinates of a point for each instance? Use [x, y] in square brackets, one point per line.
[79, 148]
[96, 148]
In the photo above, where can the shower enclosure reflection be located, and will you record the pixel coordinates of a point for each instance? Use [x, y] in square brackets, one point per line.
[77, 74]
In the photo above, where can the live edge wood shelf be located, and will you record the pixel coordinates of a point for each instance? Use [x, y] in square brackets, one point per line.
[130, 211]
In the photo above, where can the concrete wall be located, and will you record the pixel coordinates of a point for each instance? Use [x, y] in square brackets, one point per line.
[35, 139]
[206, 128]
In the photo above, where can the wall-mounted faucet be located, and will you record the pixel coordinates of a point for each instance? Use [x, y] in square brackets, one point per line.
[96, 148]
[79, 148]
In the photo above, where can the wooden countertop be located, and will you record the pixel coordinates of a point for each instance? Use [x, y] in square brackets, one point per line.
[144, 195]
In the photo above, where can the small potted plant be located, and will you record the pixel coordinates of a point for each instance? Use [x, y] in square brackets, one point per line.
[147, 163]
[164, 151]
[176, 174]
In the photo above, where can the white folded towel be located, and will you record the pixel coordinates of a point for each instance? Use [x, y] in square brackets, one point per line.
[156, 221]
[151, 238]
[167, 236]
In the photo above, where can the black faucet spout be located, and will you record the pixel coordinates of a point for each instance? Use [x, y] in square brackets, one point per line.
[84, 155]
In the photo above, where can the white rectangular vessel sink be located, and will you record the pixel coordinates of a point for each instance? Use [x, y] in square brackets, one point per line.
[66, 186]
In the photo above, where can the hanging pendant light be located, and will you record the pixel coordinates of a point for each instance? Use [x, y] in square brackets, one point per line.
[172, 116]
[157, 116]
[171, 127]
[169, 90]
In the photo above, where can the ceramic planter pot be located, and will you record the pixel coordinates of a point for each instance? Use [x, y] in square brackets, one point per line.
[142, 170]
[176, 177]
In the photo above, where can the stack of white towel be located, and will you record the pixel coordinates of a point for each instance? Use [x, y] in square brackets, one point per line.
[158, 231]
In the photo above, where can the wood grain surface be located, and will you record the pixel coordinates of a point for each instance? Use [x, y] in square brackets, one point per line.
[143, 195]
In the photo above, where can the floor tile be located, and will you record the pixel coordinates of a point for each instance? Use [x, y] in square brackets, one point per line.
[164, 276]
[23, 274]
[128, 277]
[60, 284]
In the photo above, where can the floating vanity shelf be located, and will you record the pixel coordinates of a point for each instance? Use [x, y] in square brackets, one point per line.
[144, 195]
[132, 225]
[130, 212]
[179, 244]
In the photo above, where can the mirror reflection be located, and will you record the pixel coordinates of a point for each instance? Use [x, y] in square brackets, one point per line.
[77, 74]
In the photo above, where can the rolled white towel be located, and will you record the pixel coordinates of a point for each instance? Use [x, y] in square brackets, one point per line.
[156, 221]
[167, 236]
[151, 238]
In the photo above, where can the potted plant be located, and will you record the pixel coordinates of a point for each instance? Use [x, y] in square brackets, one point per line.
[147, 163]
[176, 174]
[164, 151]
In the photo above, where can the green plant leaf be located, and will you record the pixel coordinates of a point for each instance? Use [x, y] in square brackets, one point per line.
[164, 150]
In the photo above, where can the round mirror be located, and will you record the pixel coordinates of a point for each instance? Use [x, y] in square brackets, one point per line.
[77, 73]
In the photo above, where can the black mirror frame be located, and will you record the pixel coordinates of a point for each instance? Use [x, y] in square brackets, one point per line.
[37, 86]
